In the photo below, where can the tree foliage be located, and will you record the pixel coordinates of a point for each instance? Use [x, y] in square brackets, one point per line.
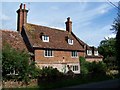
[49, 74]
[116, 28]
[84, 66]
[18, 62]
[108, 50]
[92, 67]
[107, 47]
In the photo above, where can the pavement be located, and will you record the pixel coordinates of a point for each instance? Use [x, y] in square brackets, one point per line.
[110, 84]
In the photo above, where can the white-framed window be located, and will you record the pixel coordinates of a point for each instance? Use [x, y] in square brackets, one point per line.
[48, 53]
[75, 68]
[45, 38]
[74, 54]
[70, 41]
[89, 52]
[96, 53]
[13, 72]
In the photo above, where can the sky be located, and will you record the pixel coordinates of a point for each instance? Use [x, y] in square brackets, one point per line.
[91, 21]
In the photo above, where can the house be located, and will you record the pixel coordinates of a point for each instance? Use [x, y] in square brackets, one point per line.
[47, 46]
[92, 54]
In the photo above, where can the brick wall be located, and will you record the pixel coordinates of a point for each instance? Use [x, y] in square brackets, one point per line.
[93, 59]
[57, 57]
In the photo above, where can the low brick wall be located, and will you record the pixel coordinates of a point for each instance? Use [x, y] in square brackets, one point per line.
[18, 84]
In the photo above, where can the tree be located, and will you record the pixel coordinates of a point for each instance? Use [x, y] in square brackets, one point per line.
[108, 50]
[116, 28]
[107, 47]
[17, 62]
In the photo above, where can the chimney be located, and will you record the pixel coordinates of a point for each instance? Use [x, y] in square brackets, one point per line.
[22, 17]
[68, 25]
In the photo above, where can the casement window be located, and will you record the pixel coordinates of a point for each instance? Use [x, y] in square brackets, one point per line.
[48, 53]
[45, 38]
[96, 53]
[70, 41]
[74, 54]
[75, 68]
[13, 72]
[89, 52]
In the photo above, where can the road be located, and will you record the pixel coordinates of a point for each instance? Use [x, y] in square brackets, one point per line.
[103, 84]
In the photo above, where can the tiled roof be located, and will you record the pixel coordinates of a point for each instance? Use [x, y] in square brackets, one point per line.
[13, 38]
[57, 38]
[90, 48]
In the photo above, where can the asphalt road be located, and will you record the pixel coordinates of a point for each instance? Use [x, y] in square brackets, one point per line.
[99, 85]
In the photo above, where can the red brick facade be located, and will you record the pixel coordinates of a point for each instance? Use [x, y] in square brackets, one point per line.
[58, 57]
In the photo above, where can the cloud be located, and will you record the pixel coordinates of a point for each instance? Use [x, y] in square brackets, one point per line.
[110, 36]
[4, 17]
[94, 35]
[90, 14]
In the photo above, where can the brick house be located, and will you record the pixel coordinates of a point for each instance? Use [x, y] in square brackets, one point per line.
[60, 49]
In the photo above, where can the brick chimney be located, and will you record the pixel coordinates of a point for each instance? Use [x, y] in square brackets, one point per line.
[68, 25]
[22, 17]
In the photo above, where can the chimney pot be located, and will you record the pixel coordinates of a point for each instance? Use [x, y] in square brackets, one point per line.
[21, 6]
[24, 6]
[68, 19]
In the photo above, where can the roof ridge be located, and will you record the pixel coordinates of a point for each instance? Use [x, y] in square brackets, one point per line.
[7, 30]
[47, 27]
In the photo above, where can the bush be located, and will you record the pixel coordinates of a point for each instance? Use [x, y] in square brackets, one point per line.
[97, 67]
[84, 66]
[48, 74]
[19, 62]
[92, 67]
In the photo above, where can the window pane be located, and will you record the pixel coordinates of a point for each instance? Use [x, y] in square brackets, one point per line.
[48, 52]
[74, 54]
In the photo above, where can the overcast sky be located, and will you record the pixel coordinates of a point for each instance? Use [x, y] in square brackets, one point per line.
[91, 20]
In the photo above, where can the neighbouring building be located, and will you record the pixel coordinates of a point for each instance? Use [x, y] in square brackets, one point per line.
[47, 46]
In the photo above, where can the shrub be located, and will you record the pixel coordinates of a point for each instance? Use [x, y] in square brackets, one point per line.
[17, 61]
[48, 74]
[97, 67]
[84, 66]
[92, 67]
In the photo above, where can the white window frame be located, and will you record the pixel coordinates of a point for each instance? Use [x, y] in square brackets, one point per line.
[75, 68]
[45, 38]
[70, 41]
[96, 53]
[13, 73]
[89, 52]
[74, 54]
[48, 53]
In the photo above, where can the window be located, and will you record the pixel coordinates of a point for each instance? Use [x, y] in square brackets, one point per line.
[89, 52]
[75, 68]
[13, 72]
[70, 41]
[48, 53]
[45, 38]
[96, 53]
[74, 54]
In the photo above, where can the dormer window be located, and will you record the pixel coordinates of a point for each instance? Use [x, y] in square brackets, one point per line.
[96, 53]
[70, 41]
[89, 52]
[45, 38]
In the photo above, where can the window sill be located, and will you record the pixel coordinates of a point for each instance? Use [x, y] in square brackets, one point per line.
[48, 56]
[74, 57]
